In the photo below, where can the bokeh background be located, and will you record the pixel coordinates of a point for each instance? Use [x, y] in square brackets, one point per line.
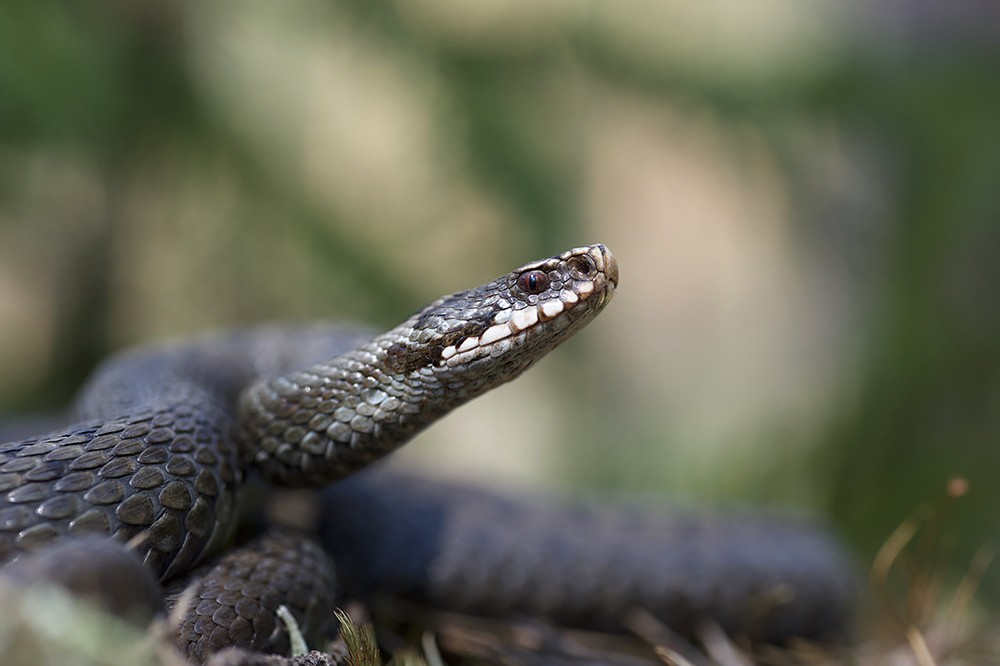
[804, 198]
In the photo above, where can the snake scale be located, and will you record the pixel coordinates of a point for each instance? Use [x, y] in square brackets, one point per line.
[169, 438]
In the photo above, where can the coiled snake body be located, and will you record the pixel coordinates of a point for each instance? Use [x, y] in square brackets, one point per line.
[169, 436]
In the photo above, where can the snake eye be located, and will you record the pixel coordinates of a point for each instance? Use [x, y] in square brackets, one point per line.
[533, 282]
[582, 267]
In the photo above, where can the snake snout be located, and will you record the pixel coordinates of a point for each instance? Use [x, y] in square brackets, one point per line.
[608, 263]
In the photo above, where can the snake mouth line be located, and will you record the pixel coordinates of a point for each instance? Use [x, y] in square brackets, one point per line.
[580, 273]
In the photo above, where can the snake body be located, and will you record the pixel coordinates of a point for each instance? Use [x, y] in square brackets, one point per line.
[758, 576]
[169, 436]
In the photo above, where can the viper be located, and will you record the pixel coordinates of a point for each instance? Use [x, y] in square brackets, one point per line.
[169, 440]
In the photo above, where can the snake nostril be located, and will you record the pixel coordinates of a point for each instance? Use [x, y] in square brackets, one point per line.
[582, 267]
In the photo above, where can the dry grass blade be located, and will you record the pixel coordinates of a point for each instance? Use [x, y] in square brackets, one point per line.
[919, 647]
[662, 638]
[962, 601]
[671, 657]
[884, 561]
[720, 648]
[431, 651]
[930, 631]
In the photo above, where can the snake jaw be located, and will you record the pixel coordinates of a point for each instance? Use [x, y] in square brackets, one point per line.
[533, 308]
[579, 283]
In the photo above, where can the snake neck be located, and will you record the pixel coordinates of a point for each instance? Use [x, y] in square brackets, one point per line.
[320, 424]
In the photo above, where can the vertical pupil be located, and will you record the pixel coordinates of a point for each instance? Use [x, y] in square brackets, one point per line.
[533, 282]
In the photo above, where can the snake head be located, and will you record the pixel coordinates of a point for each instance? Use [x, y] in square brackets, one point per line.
[485, 336]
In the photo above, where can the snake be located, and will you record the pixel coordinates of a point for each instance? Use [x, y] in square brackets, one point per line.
[171, 442]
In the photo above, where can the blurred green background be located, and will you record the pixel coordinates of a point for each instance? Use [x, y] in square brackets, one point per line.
[803, 197]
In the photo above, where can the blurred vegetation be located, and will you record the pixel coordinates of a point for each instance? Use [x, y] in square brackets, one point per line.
[802, 197]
